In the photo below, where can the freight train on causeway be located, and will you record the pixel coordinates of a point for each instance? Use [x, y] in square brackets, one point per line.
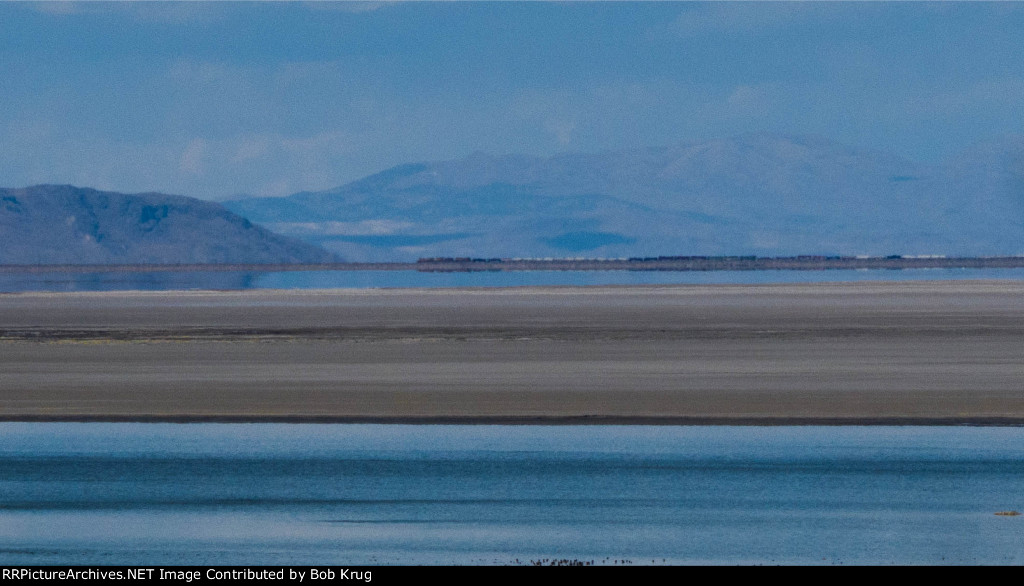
[720, 263]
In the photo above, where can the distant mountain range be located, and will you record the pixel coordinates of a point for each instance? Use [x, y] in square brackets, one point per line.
[753, 194]
[764, 195]
[60, 224]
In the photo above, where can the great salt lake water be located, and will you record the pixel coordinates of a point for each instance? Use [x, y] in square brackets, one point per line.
[392, 494]
[165, 281]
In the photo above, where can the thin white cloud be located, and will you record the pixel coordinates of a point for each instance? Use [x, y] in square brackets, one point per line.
[58, 8]
[354, 6]
[750, 100]
[362, 228]
[320, 143]
[154, 11]
[191, 161]
[252, 149]
[992, 94]
[562, 130]
[178, 12]
[190, 72]
[729, 17]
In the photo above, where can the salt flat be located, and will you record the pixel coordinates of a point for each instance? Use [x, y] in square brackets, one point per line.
[907, 352]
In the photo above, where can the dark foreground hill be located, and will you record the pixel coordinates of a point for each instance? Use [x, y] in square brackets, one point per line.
[752, 194]
[61, 224]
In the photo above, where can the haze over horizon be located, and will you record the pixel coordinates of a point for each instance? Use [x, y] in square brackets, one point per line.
[213, 100]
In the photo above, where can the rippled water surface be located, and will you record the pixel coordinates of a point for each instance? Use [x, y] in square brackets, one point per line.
[357, 494]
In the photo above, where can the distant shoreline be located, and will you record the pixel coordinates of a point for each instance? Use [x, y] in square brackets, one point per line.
[661, 263]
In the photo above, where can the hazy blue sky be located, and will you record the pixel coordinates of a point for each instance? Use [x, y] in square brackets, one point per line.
[212, 100]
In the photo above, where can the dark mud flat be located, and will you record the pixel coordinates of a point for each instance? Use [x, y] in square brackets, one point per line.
[828, 353]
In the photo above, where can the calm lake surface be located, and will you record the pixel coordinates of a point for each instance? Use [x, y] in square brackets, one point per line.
[161, 281]
[374, 494]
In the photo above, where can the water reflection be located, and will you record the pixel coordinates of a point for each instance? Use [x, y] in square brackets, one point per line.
[237, 280]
